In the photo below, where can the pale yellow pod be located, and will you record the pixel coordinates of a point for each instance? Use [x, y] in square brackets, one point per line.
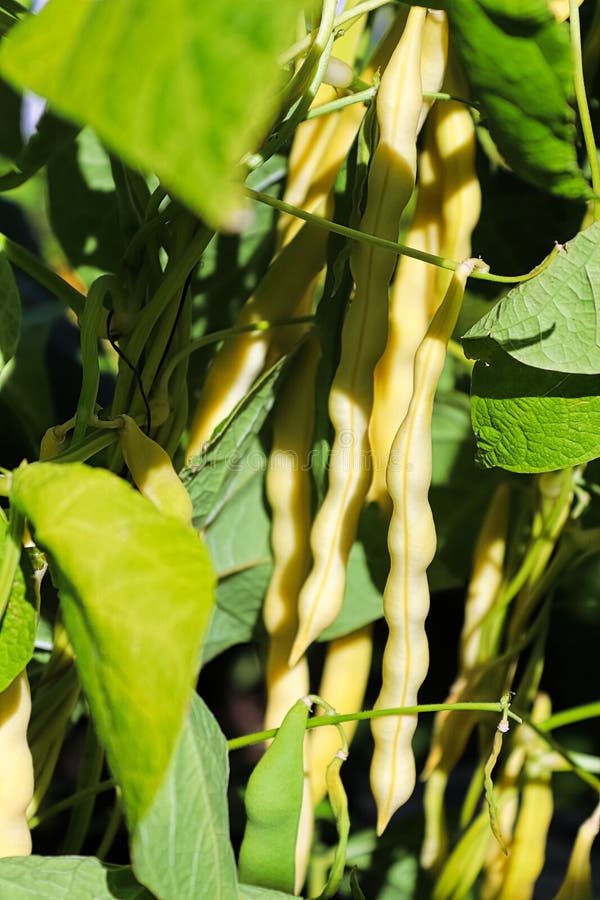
[390, 184]
[434, 57]
[343, 685]
[461, 193]
[447, 211]
[321, 145]
[578, 880]
[560, 9]
[528, 850]
[16, 768]
[242, 357]
[413, 286]
[487, 576]
[288, 488]
[412, 542]
[153, 473]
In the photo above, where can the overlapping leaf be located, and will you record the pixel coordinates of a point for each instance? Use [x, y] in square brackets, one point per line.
[531, 420]
[180, 89]
[552, 321]
[189, 819]
[136, 591]
[518, 60]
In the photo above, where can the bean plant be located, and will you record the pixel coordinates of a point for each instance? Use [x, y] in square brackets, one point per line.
[300, 419]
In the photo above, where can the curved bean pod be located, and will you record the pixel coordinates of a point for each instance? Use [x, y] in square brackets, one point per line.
[412, 542]
[16, 783]
[153, 473]
[390, 184]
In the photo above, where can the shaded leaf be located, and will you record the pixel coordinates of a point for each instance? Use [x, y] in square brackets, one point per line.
[202, 98]
[254, 892]
[531, 420]
[230, 458]
[136, 591]
[19, 624]
[550, 322]
[181, 847]
[67, 878]
[83, 205]
[10, 312]
[518, 60]
[51, 135]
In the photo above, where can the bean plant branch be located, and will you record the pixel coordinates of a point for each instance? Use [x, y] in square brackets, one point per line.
[30, 264]
[350, 15]
[317, 721]
[392, 246]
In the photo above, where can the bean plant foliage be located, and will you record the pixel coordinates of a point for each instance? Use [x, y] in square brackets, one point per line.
[282, 450]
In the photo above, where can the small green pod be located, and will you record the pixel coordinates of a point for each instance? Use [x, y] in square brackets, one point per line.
[273, 802]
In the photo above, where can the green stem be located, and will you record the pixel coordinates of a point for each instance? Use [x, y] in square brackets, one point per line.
[356, 12]
[68, 802]
[215, 336]
[582, 105]
[392, 246]
[318, 721]
[569, 716]
[112, 827]
[334, 105]
[322, 37]
[542, 732]
[36, 269]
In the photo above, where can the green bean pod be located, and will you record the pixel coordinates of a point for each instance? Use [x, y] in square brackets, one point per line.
[273, 806]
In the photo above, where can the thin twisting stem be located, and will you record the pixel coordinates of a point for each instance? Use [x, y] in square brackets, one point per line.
[582, 105]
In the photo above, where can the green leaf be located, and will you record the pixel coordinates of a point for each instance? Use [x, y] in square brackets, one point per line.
[254, 892]
[203, 97]
[67, 878]
[82, 205]
[181, 847]
[51, 135]
[531, 420]
[136, 591]
[19, 623]
[239, 545]
[230, 457]
[518, 60]
[237, 613]
[552, 321]
[10, 312]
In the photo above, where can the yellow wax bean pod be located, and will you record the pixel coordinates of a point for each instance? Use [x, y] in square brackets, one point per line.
[343, 685]
[461, 194]
[528, 849]
[560, 9]
[578, 880]
[413, 286]
[16, 768]
[434, 57]
[453, 729]
[412, 542]
[153, 473]
[288, 489]
[447, 211]
[390, 184]
[486, 578]
[242, 357]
